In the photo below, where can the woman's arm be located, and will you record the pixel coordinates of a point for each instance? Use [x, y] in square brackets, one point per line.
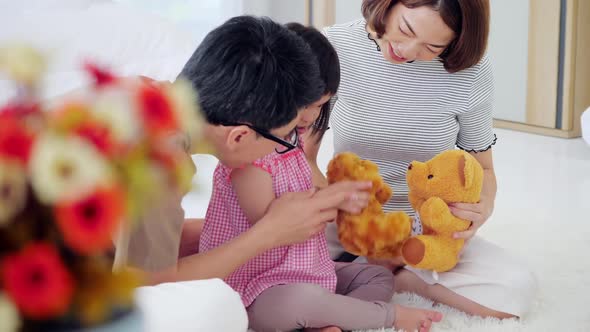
[480, 212]
[489, 189]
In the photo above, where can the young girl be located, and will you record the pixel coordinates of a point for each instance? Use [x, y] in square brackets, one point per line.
[299, 286]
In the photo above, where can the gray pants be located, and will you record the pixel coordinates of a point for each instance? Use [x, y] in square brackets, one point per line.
[362, 301]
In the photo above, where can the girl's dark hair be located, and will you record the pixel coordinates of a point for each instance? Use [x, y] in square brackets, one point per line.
[469, 19]
[329, 70]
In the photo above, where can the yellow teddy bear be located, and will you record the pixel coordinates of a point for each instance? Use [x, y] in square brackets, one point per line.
[450, 177]
[371, 233]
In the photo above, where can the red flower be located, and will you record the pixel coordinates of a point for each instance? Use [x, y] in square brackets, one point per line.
[38, 282]
[87, 225]
[101, 76]
[99, 136]
[19, 109]
[157, 111]
[16, 140]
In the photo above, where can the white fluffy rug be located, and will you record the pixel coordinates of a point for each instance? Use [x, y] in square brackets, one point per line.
[563, 302]
[563, 299]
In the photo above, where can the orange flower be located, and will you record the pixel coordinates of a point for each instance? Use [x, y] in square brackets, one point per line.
[157, 111]
[177, 163]
[69, 115]
[38, 282]
[77, 118]
[16, 140]
[87, 225]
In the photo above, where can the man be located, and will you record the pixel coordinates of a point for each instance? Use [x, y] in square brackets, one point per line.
[252, 76]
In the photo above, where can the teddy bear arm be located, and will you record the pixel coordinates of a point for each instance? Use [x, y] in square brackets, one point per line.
[435, 214]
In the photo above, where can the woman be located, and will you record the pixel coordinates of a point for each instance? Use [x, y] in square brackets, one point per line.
[416, 81]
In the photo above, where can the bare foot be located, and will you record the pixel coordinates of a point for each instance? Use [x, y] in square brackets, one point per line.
[324, 329]
[412, 319]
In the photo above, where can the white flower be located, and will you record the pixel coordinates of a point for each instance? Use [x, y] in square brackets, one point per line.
[22, 63]
[186, 106]
[13, 190]
[9, 318]
[115, 109]
[64, 168]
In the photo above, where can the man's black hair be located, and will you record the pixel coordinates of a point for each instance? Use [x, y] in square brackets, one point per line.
[255, 71]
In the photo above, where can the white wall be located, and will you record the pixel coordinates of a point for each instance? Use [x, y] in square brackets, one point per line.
[508, 51]
[347, 10]
[282, 11]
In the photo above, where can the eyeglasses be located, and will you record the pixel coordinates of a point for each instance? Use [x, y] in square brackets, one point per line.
[291, 143]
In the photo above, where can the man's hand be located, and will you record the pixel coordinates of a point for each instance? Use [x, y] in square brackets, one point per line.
[296, 217]
[357, 200]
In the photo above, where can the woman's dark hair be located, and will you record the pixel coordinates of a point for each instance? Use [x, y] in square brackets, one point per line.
[329, 69]
[254, 71]
[469, 19]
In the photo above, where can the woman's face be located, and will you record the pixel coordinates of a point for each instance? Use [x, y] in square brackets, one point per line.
[414, 34]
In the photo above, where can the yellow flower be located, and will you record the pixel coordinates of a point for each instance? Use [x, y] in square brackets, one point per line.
[22, 63]
[186, 106]
[65, 168]
[13, 190]
[9, 318]
[101, 290]
[115, 109]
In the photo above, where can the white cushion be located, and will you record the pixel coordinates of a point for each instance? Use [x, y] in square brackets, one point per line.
[127, 40]
[195, 306]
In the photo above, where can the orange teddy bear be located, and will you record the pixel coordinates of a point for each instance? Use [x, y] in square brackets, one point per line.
[371, 233]
[450, 177]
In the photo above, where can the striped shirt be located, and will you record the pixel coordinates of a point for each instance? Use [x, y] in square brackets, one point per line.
[393, 114]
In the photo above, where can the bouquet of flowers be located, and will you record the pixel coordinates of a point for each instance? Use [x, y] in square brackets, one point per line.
[74, 176]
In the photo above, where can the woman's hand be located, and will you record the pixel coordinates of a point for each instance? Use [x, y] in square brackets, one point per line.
[477, 213]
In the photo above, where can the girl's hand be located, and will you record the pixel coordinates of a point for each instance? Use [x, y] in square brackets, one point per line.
[477, 213]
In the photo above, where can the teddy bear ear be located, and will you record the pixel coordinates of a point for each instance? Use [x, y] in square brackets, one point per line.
[467, 170]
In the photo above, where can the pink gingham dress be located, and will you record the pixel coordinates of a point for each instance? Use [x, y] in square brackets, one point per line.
[308, 262]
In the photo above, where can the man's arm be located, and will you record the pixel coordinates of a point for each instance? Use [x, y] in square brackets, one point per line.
[189, 238]
[291, 218]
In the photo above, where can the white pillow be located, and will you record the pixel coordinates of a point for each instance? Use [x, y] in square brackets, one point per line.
[127, 40]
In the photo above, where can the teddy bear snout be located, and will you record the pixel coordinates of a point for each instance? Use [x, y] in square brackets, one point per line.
[410, 167]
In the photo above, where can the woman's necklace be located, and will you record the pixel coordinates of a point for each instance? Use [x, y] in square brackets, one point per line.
[374, 41]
